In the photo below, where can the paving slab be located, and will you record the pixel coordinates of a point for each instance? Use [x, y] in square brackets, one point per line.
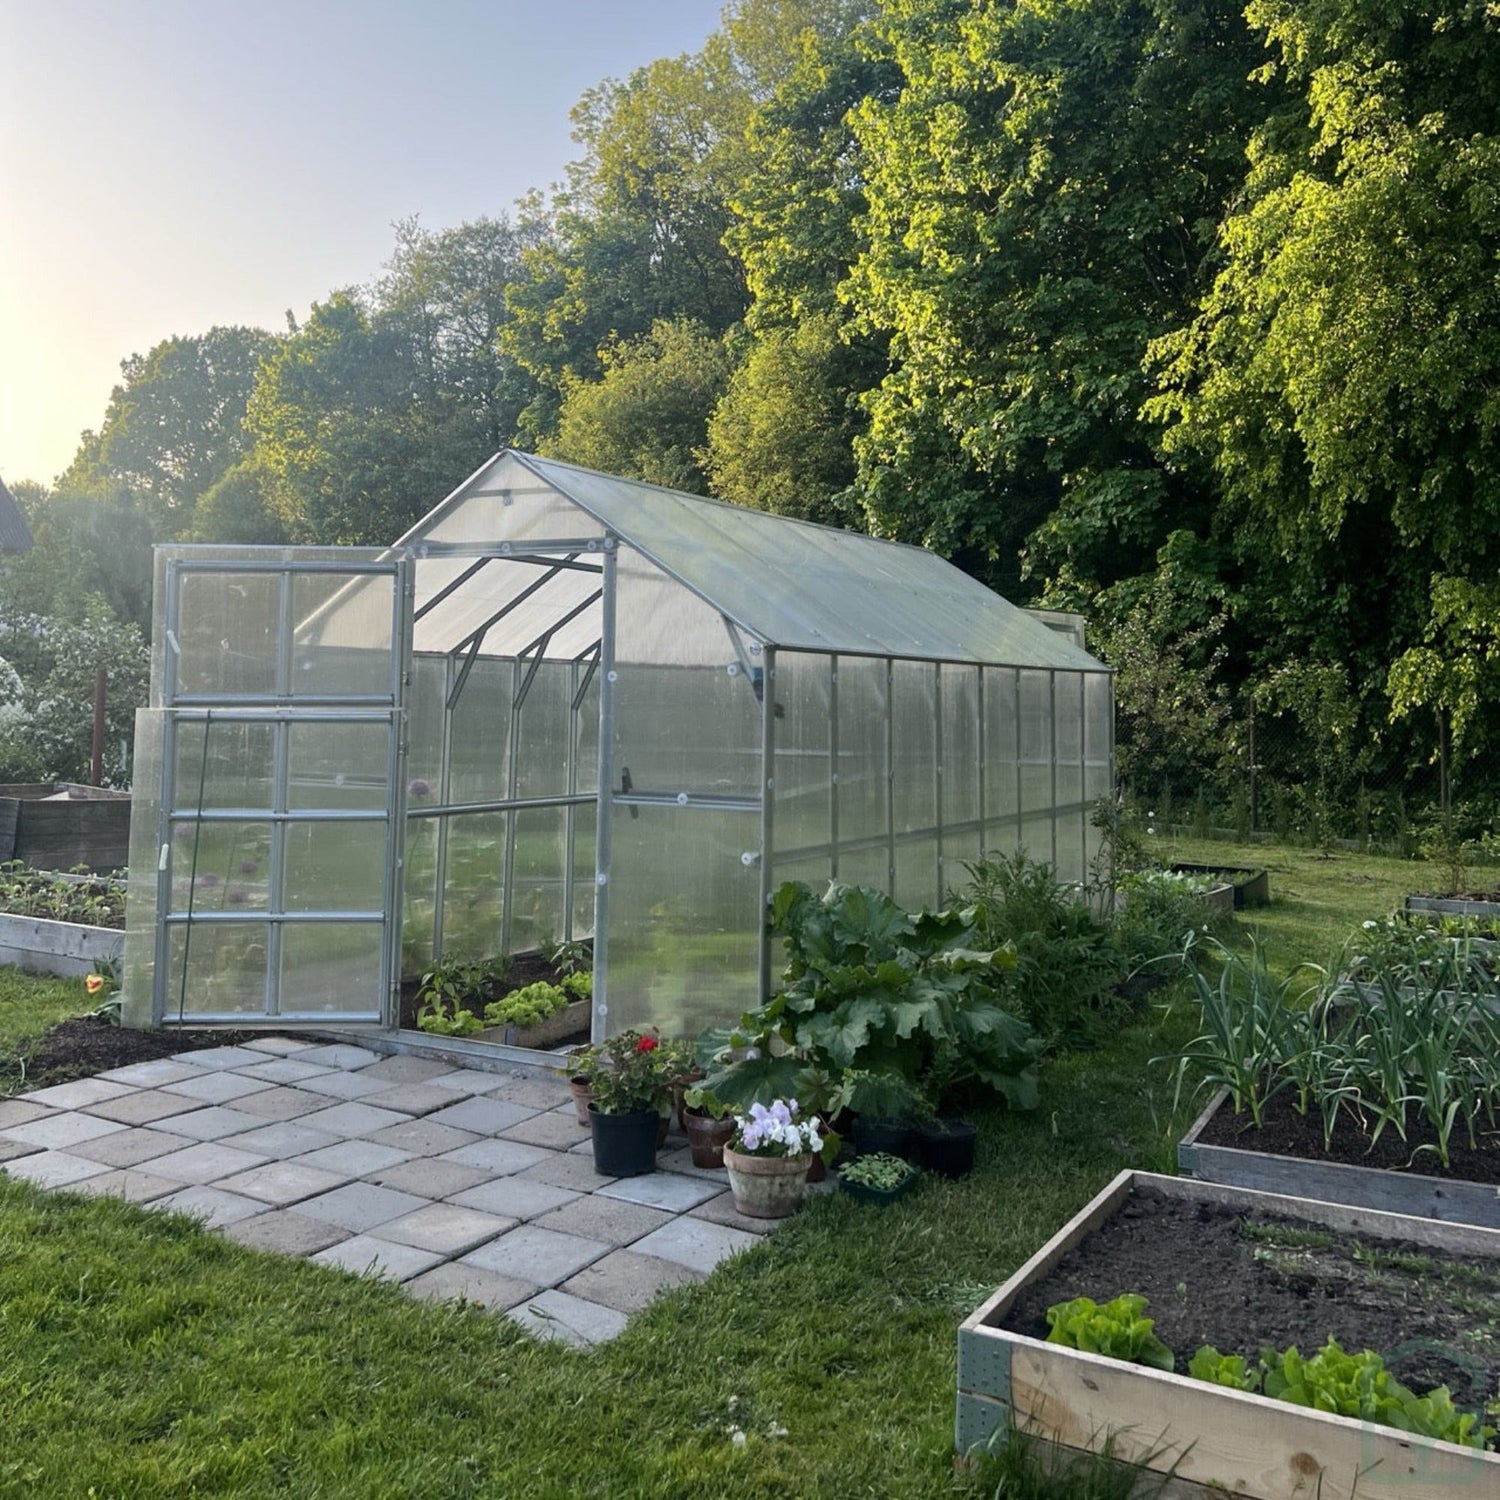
[663, 1190]
[406, 1070]
[428, 1177]
[130, 1184]
[555, 1131]
[444, 1227]
[483, 1115]
[537, 1093]
[359, 1206]
[411, 1098]
[563, 1170]
[454, 1282]
[365, 1255]
[465, 1082]
[19, 1112]
[423, 1137]
[695, 1243]
[540, 1255]
[345, 1085]
[681, 1162]
[80, 1092]
[352, 1118]
[211, 1206]
[284, 1070]
[218, 1087]
[215, 1058]
[286, 1232]
[142, 1107]
[10, 1150]
[627, 1281]
[215, 1121]
[282, 1139]
[151, 1075]
[282, 1182]
[53, 1169]
[281, 1046]
[514, 1198]
[204, 1162]
[129, 1148]
[342, 1055]
[596, 1217]
[498, 1158]
[355, 1158]
[57, 1132]
[721, 1210]
[282, 1103]
[557, 1315]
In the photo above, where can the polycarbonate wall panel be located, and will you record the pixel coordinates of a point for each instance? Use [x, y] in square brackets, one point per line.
[585, 866]
[330, 968]
[226, 632]
[539, 901]
[219, 970]
[225, 763]
[344, 766]
[542, 736]
[683, 918]
[917, 872]
[479, 735]
[419, 894]
[518, 512]
[863, 783]
[473, 915]
[1002, 752]
[959, 779]
[140, 893]
[342, 634]
[802, 788]
[686, 716]
[586, 732]
[914, 745]
[424, 729]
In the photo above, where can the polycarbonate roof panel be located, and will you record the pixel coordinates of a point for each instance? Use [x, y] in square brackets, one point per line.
[790, 583]
[518, 602]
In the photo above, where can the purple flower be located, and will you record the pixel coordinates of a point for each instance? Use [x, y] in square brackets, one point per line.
[246, 867]
[418, 787]
[182, 830]
[207, 882]
[237, 897]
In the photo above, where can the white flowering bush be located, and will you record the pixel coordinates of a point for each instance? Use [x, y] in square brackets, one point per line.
[774, 1130]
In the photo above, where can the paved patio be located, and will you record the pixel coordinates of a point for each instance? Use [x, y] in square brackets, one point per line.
[451, 1181]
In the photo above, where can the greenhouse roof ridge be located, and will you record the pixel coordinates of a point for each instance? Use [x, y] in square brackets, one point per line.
[794, 584]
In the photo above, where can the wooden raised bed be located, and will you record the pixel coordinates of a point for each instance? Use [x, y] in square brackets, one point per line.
[1250, 887]
[67, 949]
[56, 825]
[1452, 906]
[1211, 1438]
[1446, 1199]
[569, 1021]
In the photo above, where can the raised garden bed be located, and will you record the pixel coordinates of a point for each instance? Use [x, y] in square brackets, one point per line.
[67, 949]
[57, 825]
[1249, 887]
[567, 1024]
[1240, 1269]
[1486, 904]
[1287, 1156]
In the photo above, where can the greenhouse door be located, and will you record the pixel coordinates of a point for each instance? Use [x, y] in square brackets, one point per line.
[282, 787]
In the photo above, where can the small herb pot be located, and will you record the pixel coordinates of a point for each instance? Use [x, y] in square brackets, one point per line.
[706, 1136]
[878, 1134]
[863, 1192]
[582, 1092]
[766, 1187]
[947, 1147]
[624, 1145]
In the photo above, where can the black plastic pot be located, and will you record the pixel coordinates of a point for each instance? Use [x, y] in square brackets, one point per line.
[624, 1145]
[873, 1133]
[947, 1147]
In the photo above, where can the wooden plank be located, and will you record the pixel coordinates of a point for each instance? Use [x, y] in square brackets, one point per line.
[1411, 1193]
[57, 835]
[68, 949]
[1234, 1440]
[1453, 906]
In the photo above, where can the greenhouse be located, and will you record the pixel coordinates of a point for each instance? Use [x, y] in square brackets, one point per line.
[567, 706]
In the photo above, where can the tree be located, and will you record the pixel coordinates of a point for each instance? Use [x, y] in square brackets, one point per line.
[240, 509]
[648, 417]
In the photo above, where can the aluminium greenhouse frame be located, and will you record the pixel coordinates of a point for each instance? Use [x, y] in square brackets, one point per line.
[556, 664]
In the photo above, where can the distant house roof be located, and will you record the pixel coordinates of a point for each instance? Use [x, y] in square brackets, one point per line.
[15, 535]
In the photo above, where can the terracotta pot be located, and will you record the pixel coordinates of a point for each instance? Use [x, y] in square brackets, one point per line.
[766, 1187]
[707, 1137]
[579, 1088]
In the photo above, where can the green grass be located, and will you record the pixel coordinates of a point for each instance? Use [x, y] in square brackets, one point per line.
[29, 1004]
[145, 1358]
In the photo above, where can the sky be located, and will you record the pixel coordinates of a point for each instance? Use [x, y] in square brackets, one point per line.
[170, 165]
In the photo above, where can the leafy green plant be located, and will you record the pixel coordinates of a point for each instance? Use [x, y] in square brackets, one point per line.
[1230, 1370]
[631, 1071]
[90, 900]
[528, 1006]
[1116, 1328]
[579, 984]
[886, 1095]
[569, 958]
[878, 1170]
[452, 992]
[1159, 909]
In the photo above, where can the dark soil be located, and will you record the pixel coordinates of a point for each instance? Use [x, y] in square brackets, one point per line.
[86, 1045]
[1241, 1280]
[1287, 1133]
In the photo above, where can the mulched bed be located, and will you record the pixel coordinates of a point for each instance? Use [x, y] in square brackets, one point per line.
[1240, 1280]
[86, 1045]
[1287, 1133]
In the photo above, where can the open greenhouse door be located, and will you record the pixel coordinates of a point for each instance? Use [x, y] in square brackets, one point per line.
[280, 735]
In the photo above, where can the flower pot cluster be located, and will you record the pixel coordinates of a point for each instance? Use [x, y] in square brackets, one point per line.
[624, 1090]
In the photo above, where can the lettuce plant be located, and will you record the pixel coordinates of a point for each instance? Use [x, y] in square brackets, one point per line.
[1115, 1328]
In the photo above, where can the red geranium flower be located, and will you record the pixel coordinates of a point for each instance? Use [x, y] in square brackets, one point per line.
[646, 1044]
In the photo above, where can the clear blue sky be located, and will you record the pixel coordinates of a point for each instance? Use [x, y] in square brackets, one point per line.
[166, 165]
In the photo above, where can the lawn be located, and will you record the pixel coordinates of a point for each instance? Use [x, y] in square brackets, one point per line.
[147, 1358]
[29, 1004]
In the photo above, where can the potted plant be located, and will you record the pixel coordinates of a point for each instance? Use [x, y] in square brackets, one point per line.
[888, 1107]
[708, 1123]
[947, 1146]
[879, 1179]
[632, 1093]
[767, 1158]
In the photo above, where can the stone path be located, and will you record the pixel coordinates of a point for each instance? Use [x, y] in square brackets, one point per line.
[452, 1181]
